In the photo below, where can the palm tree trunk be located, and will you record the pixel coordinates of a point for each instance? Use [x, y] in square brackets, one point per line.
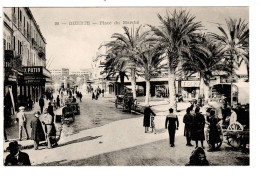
[171, 82]
[133, 82]
[206, 92]
[122, 81]
[202, 84]
[147, 96]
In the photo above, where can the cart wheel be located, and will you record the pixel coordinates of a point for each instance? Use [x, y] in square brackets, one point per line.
[233, 140]
[235, 127]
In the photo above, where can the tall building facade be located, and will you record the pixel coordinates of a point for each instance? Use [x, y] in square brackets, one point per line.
[24, 51]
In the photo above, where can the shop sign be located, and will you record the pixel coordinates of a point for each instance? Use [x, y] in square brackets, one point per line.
[32, 70]
[190, 84]
[34, 82]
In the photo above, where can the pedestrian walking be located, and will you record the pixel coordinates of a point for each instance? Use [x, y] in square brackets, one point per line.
[187, 120]
[198, 128]
[147, 114]
[80, 96]
[213, 130]
[16, 157]
[62, 98]
[93, 95]
[50, 110]
[30, 104]
[37, 134]
[22, 120]
[153, 125]
[172, 123]
[41, 103]
[96, 93]
[48, 122]
[58, 101]
[103, 92]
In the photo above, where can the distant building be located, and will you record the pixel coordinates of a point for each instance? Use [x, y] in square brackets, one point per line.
[60, 72]
[98, 78]
[87, 73]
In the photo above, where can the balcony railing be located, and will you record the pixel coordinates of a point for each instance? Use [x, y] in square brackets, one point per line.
[13, 60]
[41, 52]
[34, 44]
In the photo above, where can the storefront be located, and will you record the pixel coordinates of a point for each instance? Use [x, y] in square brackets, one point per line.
[190, 89]
[34, 81]
[13, 79]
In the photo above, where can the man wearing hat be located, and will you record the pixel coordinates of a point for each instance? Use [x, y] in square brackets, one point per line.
[48, 122]
[16, 157]
[37, 130]
[22, 123]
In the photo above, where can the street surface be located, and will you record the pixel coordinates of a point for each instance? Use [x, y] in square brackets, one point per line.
[104, 135]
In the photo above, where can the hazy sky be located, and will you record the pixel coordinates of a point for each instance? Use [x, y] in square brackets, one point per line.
[73, 46]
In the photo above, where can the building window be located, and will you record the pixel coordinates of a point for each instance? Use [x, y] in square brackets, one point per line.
[4, 44]
[18, 47]
[14, 42]
[14, 10]
[20, 15]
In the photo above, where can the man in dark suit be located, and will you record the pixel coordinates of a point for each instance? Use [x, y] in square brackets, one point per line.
[37, 130]
[173, 124]
[16, 157]
[41, 103]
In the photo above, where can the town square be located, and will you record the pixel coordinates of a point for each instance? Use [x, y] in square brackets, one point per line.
[126, 86]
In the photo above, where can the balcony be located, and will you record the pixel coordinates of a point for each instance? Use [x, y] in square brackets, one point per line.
[34, 44]
[41, 52]
[12, 60]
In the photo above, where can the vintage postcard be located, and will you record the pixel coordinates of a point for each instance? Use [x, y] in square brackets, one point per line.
[126, 86]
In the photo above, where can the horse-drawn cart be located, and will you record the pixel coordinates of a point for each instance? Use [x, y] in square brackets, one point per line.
[126, 101]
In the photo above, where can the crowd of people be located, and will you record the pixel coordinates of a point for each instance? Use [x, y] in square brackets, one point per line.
[97, 92]
[194, 125]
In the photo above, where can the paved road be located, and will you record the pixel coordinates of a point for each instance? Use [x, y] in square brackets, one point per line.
[94, 113]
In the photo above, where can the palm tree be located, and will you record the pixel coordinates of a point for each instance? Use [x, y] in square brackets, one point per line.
[149, 59]
[115, 67]
[235, 40]
[175, 36]
[206, 64]
[127, 44]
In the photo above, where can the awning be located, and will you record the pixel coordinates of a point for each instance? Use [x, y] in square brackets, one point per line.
[39, 71]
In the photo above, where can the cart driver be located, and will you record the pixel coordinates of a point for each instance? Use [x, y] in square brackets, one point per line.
[232, 118]
[66, 109]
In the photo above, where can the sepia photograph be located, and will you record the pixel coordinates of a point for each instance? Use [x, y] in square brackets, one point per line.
[126, 86]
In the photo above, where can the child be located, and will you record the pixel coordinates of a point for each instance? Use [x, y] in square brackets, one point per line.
[153, 125]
